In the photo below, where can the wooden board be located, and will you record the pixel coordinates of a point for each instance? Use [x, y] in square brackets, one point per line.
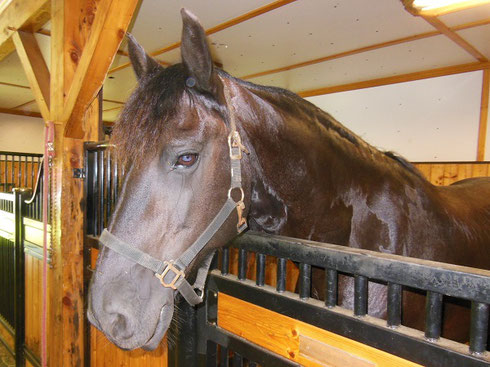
[447, 173]
[298, 341]
[33, 302]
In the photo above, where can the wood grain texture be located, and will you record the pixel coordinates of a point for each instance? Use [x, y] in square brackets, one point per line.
[446, 173]
[281, 334]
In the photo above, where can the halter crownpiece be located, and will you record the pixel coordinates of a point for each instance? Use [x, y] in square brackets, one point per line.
[171, 273]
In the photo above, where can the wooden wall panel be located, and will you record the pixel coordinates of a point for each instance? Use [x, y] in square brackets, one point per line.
[446, 173]
[18, 174]
[33, 302]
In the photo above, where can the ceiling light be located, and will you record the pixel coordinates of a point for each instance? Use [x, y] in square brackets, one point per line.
[439, 7]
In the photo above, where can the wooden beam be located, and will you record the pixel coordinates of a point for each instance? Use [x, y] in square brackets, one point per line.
[366, 49]
[482, 129]
[24, 104]
[456, 38]
[28, 15]
[15, 85]
[35, 67]
[20, 112]
[107, 32]
[433, 73]
[242, 18]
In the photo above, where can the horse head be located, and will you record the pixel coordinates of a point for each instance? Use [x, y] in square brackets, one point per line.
[184, 168]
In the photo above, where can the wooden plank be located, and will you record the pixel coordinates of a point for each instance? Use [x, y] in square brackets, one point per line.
[28, 15]
[20, 113]
[35, 68]
[402, 78]
[106, 34]
[483, 126]
[57, 60]
[242, 18]
[283, 335]
[455, 37]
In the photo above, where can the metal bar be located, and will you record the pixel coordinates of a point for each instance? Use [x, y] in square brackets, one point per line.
[223, 356]
[451, 280]
[433, 315]
[237, 360]
[242, 263]
[100, 163]
[394, 305]
[260, 269]
[331, 291]
[211, 354]
[225, 261]
[360, 295]
[479, 327]
[281, 274]
[304, 281]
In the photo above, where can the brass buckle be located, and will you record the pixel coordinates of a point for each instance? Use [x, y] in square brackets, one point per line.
[178, 273]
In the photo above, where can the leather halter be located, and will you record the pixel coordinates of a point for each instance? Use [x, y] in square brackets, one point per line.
[171, 273]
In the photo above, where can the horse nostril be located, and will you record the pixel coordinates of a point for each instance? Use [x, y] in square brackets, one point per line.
[121, 328]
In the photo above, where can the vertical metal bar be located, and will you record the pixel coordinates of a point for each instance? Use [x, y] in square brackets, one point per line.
[252, 364]
[304, 280]
[433, 315]
[19, 285]
[109, 184]
[223, 356]
[25, 171]
[260, 270]
[360, 295]
[281, 274]
[101, 193]
[394, 305]
[479, 327]
[211, 354]
[237, 360]
[242, 264]
[225, 261]
[331, 281]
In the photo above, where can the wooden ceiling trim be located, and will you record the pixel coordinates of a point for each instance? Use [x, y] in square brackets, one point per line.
[456, 38]
[433, 73]
[483, 126]
[24, 104]
[113, 101]
[366, 49]
[233, 22]
[9, 111]
[28, 15]
[113, 109]
[35, 67]
[15, 85]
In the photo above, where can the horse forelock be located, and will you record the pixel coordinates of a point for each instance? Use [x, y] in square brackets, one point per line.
[156, 100]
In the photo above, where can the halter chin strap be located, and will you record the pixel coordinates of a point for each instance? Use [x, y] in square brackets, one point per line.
[171, 273]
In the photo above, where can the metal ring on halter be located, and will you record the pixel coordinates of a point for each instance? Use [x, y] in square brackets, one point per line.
[241, 190]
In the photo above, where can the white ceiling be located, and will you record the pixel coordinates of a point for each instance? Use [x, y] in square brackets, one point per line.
[301, 31]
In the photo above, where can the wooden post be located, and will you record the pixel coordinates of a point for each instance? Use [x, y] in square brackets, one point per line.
[482, 129]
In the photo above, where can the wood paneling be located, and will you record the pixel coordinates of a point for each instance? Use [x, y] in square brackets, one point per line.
[18, 174]
[296, 340]
[448, 173]
[33, 302]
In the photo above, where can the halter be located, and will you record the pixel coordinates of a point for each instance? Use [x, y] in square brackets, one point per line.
[171, 273]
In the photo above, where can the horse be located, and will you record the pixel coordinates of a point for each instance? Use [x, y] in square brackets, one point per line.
[206, 152]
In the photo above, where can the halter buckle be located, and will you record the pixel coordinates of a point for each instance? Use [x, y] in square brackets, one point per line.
[236, 146]
[178, 273]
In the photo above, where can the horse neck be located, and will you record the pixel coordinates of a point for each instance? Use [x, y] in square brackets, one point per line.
[307, 167]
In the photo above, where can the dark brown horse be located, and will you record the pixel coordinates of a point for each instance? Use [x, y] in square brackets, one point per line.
[305, 175]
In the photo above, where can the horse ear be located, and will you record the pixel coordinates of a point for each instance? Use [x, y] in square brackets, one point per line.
[143, 64]
[196, 55]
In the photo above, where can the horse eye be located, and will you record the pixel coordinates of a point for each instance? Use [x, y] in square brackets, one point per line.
[186, 160]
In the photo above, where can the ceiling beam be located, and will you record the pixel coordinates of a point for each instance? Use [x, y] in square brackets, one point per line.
[24, 104]
[456, 38]
[365, 49]
[28, 15]
[242, 18]
[107, 31]
[483, 126]
[35, 67]
[20, 112]
[402, 78]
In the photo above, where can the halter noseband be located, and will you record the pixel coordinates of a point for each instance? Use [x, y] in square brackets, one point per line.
[171, 273]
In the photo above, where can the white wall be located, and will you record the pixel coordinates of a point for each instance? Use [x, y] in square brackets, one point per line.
[21, 134]
[427, 120]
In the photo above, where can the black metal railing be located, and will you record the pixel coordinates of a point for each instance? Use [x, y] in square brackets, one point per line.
[102, 182]
[18, 170]
[437, 280]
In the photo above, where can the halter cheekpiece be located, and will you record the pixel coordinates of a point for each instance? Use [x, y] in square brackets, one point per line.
[171, 273]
